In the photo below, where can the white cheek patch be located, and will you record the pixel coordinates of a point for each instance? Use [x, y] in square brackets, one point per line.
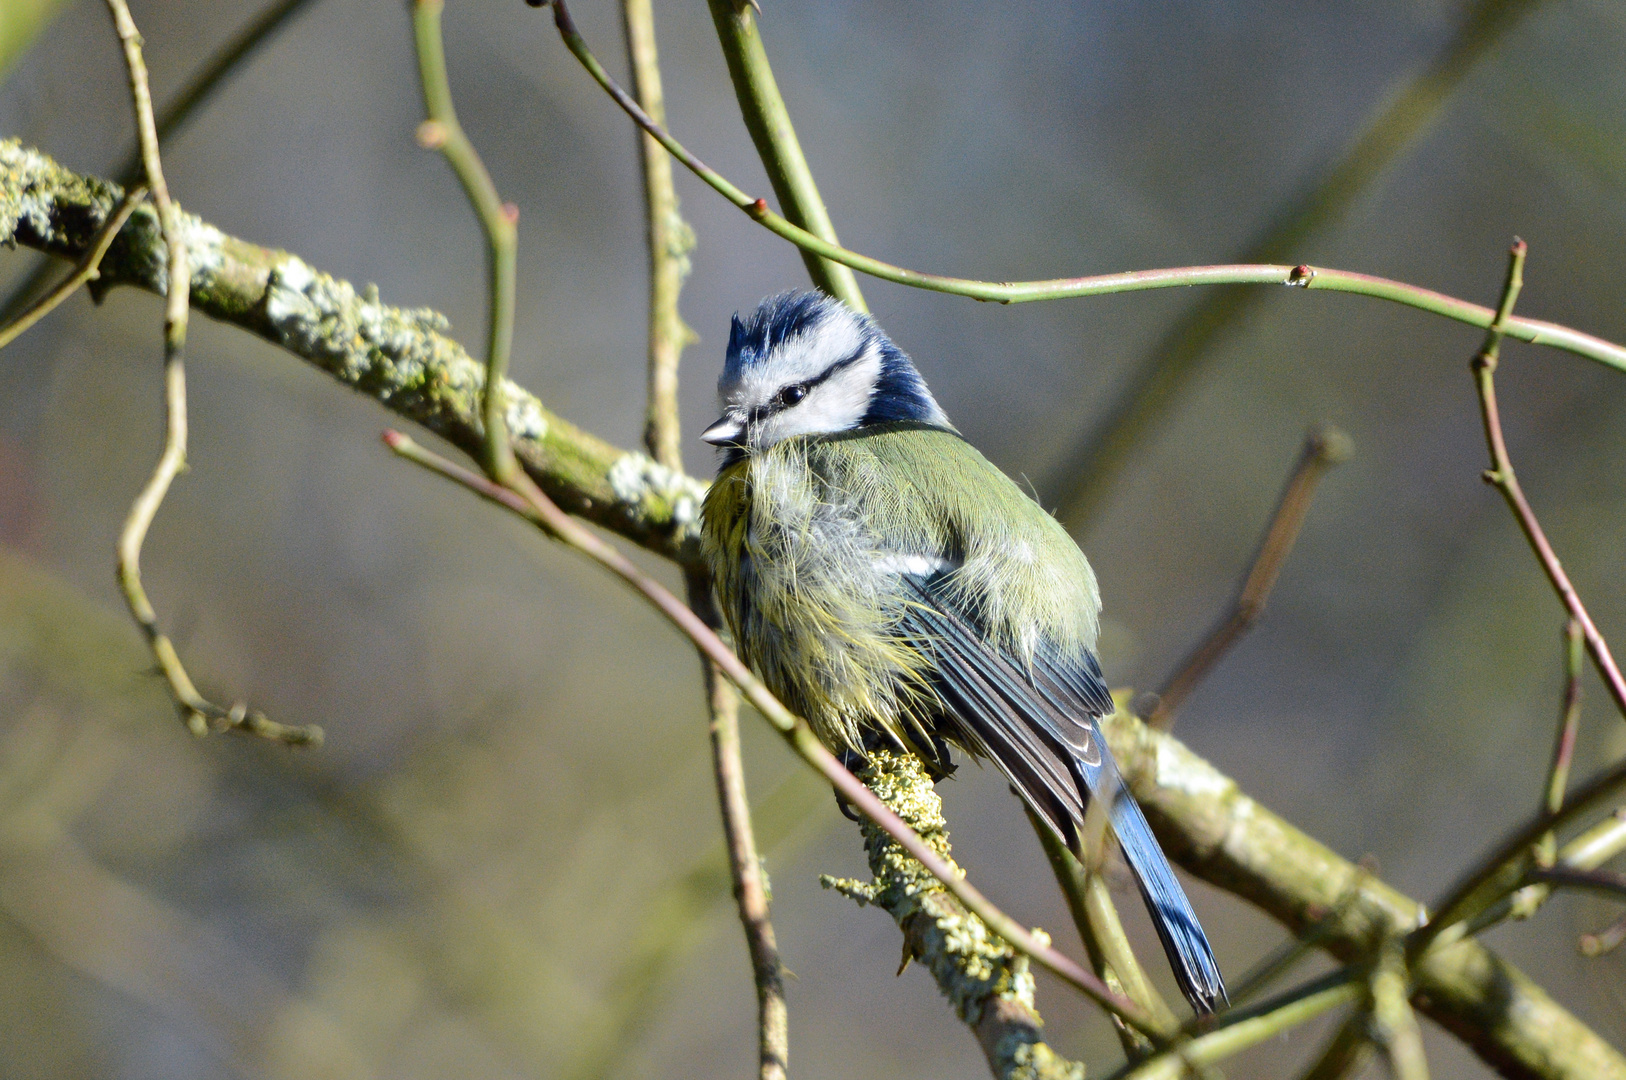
[836, 404]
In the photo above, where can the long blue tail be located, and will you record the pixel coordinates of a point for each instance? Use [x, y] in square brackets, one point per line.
[1182, 935]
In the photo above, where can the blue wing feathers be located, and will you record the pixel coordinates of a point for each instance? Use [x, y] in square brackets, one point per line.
[1039, 727]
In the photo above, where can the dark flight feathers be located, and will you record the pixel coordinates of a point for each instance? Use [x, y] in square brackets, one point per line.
[1039, 728]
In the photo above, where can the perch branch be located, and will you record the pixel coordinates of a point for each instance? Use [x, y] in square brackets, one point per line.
[768, 121]
[1301, 276]
[201, 715]
[1324, 447]
[988, 983]
[1501, 476]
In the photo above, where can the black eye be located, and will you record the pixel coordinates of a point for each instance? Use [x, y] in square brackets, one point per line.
[792, 395]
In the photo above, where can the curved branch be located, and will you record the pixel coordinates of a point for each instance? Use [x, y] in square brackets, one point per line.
[1302, 276]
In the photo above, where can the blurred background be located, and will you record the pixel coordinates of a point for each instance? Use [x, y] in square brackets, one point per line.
[506, 860]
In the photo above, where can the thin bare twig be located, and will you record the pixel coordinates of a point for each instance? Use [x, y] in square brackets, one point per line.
[1301, 276]
[750, 886]
[174, 115]
[1324, 447]
[540, 510]
[200, 714]
[498, 221]
[1501, 476]
[670, 240]
[1569, 723]
[1567, 877]
[84, 271]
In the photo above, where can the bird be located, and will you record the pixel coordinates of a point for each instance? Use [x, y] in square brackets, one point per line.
[894, 587]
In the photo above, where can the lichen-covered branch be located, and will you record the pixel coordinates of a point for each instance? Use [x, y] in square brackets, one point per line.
[404, 359]
[1211, 828]
[986, 981]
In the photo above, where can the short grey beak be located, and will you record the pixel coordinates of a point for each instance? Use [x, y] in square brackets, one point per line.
[724, 432]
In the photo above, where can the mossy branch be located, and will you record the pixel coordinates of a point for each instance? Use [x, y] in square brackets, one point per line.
[404, 359]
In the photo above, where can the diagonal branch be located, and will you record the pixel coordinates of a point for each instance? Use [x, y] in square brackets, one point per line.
[402, 358]
[1324, 447]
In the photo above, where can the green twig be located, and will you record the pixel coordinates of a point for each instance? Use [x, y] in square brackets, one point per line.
[1090, 903]
[1301, 276]
[86, 270]
[1507, 865]
[1501, 476]
[174, 115]
[1238, 1029]
[1588, 851]
[1394, 1024]
[1077, 486]
[498, 220]
[768, 121]
[1324, 447]
[537, 508]
[200, 714]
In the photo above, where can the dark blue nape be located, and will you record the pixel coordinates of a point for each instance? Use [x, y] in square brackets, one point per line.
[900, 392]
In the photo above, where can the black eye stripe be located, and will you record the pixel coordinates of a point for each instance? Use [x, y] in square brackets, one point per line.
[807, 386]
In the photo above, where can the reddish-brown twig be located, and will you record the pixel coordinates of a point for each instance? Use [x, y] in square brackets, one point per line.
[1324, 447]
[1502, 477]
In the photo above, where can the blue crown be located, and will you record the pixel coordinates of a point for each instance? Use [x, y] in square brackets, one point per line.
[900, 392]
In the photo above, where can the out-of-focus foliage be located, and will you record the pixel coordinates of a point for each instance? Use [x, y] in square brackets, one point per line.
[20, 23]
[506, 860]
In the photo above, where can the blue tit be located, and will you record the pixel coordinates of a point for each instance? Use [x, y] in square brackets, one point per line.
[887, 582]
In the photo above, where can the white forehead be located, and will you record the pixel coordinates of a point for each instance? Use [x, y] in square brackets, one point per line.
[806, 356]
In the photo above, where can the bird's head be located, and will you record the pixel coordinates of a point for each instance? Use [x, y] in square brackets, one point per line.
[806, 364]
